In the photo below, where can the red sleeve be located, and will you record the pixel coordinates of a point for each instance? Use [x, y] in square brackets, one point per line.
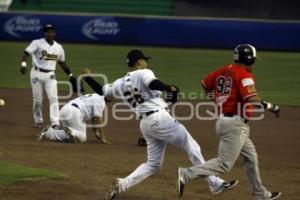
[247, 86]
[208, 81]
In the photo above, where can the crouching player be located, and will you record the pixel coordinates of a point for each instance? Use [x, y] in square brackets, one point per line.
[73, 118]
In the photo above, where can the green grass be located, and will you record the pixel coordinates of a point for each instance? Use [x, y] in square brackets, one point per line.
[277, 73]
[11, 173]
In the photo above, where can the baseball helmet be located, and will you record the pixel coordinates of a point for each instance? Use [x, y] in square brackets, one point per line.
[245, 54]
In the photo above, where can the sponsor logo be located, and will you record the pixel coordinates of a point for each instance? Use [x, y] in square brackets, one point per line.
[99, 27]
[22, 24]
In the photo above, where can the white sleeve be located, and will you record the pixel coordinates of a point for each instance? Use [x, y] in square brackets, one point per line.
[148, 76]
[61, 56]
[32, 47]
[111, 89]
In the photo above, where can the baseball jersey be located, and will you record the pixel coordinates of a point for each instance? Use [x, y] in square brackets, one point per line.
[232, 86]
[134, 90]
[44, 55]
[91, 105]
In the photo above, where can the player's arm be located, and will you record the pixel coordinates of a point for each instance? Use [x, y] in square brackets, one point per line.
[76, 86]
[208, 84]
[96, 86]
[65, 68]
[250, 95]
[153, 83]
[30, 49]
[98, 130]
[171, 90]
[23, 68]
[258, 102]
[160, 86]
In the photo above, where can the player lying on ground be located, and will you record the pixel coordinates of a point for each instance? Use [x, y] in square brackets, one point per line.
[233, 87]
[141, 90]
[73, 118]
[45, 52]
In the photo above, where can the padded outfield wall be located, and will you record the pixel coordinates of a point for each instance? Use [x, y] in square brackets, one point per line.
[154, 31]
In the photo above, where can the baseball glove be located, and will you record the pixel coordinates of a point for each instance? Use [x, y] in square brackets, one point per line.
[172, 96]
[75, 86]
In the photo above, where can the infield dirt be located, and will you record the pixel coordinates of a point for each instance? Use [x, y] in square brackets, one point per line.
[91, 167]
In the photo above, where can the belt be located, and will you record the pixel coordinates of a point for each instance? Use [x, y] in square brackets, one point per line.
[75, 105]
[142, 116]
[42, 70]
[233, 115]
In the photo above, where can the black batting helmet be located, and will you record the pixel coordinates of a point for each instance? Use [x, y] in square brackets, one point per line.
[245, 54]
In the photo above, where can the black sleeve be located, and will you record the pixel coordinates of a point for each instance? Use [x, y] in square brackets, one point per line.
[97, 87]
[25, 52]
[158, 85]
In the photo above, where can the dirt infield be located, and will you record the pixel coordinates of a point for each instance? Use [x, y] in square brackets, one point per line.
[91, 167]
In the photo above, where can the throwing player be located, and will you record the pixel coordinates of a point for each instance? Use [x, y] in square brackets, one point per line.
[73, 117]
[141, 90]
[45, 52]
[234, 90]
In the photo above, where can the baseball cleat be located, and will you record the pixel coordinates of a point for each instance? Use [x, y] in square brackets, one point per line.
[72, 137]
[225, 186]
[274, 195]
[38, 124]
[113, 192]
[180, 183]
[43, 134]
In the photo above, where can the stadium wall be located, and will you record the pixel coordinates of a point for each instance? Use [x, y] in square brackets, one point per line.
[154, 31]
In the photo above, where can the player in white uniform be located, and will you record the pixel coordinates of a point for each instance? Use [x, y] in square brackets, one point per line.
[45, 54]
[73, 118]
[141, 90]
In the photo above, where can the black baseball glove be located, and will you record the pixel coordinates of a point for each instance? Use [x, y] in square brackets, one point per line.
[75, 86]
[172, 96]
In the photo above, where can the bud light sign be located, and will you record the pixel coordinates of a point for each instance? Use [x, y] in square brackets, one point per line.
[98, 28]
[20, 25]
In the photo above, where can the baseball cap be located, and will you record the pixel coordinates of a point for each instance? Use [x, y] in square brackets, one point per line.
[48, 27]
[135, 55]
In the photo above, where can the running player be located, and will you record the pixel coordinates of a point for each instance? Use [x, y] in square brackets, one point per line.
[233, 88]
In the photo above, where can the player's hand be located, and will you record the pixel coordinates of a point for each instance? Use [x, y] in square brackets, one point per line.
[275, 109]
[85, 71]
[23, 70]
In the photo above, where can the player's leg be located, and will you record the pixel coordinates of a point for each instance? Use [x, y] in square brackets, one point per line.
[54, 135]
[37, 94]
[155, 157]
[252, 171]
[73, 123]
[51, 90]
[58, 134]
[183, 140]
[232, 134]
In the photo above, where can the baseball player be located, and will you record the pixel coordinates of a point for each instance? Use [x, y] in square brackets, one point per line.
[233, 88]
[141, 90]
[73, 118]
[45, 52]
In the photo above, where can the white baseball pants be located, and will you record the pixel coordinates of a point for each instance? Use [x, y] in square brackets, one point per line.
[40, 80]
[72, 118]
[159, 129]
